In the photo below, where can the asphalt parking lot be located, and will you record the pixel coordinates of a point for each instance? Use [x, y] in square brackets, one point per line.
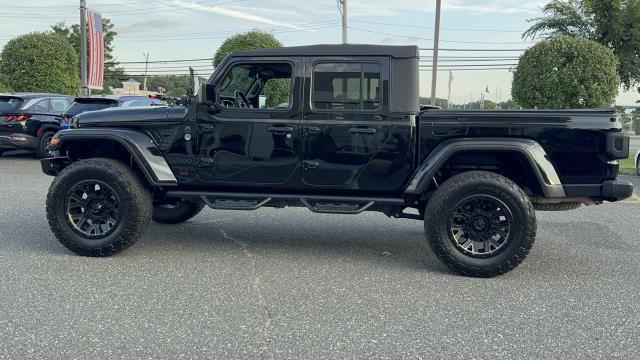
[291, 284]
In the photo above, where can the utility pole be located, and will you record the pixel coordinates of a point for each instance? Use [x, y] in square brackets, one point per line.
[436, 43]
[146, 66]
[343, 11]
[83, 46]
[450, 83]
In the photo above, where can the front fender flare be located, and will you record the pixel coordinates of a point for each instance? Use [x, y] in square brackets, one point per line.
[544, 171]
[141, 147]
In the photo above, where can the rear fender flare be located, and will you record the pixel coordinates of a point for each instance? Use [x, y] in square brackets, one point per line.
[141, 147]
[544, 170]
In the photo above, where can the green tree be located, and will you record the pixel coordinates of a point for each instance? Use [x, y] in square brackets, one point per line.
[176, 85]
[3, 88]
[254, 39]
[565, 72]
[277, 91]
[112, 72]
[39, 62]
[443, 103]
[509, 105]
[635, 116]
[612, 23]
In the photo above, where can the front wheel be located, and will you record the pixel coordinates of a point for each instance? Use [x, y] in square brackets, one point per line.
[480, 224]
[176, 212]
[44, 141]
[98, 207]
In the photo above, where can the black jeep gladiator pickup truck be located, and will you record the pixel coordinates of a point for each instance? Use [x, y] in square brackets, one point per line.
[337, 129]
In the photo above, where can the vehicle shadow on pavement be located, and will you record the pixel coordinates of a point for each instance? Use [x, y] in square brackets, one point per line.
[18, 155]
[300, 242]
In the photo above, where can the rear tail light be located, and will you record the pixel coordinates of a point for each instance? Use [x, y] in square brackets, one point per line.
[17, 118]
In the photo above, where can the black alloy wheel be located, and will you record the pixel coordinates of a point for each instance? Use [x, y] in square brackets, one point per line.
[480, 225]
[93, 209]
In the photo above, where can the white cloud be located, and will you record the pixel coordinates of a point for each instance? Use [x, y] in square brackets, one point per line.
[496, 6]
[238, 13]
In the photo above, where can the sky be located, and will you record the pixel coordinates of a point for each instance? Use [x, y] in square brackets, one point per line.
[193, 29]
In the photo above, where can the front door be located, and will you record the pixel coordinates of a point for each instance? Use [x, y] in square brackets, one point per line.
[345, 124]
[253, 135]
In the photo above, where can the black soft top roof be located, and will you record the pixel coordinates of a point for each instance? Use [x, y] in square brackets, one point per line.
[400, 52]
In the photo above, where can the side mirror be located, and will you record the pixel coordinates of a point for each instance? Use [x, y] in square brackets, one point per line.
[207, 94]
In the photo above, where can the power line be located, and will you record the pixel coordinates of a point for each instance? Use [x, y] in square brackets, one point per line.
[469, 60]
[159, 61]
[210, 66]
[232, 31]
[450, 49]
[429, 39]
[431, 28]
[283, 31]
[469, 65]
[483, 69]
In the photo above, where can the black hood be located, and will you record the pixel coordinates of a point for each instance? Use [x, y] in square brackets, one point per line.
[118, 117]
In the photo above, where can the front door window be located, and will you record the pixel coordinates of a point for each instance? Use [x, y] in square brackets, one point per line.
[265, 86]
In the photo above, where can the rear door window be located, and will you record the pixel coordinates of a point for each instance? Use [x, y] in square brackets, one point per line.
[346, 86]
[40, 106]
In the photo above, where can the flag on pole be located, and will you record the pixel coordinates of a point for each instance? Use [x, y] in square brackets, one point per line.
[95, 73]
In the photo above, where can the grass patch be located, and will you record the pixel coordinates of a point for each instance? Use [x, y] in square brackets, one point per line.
[628, 165]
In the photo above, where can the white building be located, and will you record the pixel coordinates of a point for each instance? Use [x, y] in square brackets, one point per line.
[131, 87]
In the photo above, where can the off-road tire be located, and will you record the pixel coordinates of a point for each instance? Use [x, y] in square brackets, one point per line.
[557, 207]
[176, 214]
[43, 141]
[638, 167]
[136, 206]
[468, 184]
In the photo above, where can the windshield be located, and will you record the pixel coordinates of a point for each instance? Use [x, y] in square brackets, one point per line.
[78, 107]
[8, 103]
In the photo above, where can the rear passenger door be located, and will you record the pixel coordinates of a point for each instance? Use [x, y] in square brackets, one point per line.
[345, 122]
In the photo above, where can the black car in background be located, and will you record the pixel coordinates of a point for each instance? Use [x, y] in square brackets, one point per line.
[93, 103]
[28, 121]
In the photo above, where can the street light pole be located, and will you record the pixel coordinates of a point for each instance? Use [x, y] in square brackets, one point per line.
[436, 43]
[83, 46]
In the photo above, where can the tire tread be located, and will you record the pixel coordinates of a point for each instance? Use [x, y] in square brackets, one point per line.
[136, 220]
[439, 204]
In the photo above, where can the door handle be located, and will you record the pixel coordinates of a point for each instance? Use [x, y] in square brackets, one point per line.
[205, 127]
[362, 131]
[311, 130]
[280, 129]
[310, 164]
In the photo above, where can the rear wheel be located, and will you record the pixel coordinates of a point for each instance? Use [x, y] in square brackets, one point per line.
[43, 143]
[176, 212]
[480, 224]
[98, 207]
